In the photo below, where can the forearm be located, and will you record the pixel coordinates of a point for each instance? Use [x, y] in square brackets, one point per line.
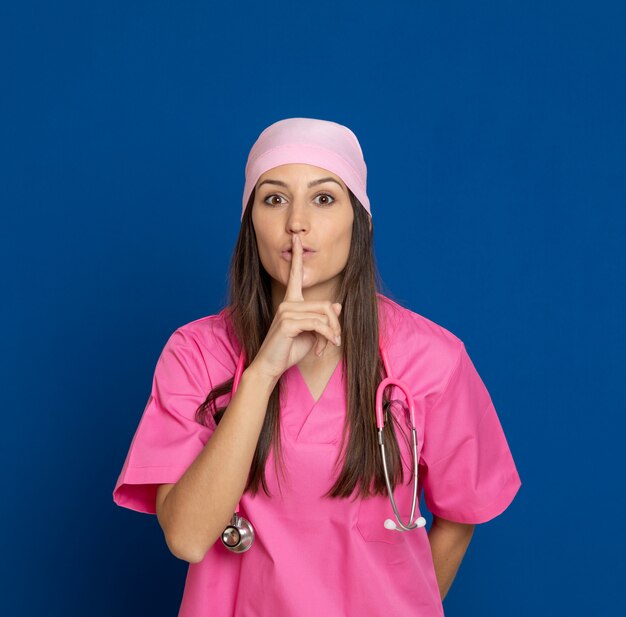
[202, 502]
[448, 544]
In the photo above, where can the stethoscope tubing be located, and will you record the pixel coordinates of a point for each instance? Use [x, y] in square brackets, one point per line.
[380, 423]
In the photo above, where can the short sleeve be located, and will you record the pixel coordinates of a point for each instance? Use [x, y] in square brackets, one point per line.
[469, 475]
[168, 437]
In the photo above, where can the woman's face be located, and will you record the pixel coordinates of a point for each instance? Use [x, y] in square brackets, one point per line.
[313, 203]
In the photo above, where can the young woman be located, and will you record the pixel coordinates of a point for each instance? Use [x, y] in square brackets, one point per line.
[269, 410]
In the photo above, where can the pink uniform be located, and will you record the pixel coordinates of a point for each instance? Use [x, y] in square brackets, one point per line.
[312, 555]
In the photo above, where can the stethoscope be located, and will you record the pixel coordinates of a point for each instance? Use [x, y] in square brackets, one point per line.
[238, 535]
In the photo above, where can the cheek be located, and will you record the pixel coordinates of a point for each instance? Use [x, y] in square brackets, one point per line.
[338, 249]
[342, 242]
[270, 259]
[266, 257]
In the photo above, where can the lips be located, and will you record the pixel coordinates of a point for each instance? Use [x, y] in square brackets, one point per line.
[305, 248]
[306, 255]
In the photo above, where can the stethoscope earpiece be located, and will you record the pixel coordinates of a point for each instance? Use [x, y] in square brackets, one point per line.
[389, 524]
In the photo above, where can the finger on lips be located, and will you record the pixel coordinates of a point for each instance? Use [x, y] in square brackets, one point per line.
[294, 285]
[294, 294]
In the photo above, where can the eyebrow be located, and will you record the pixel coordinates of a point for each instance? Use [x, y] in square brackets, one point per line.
[309, 185]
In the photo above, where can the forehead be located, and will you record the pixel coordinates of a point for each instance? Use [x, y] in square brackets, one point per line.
[298, 173]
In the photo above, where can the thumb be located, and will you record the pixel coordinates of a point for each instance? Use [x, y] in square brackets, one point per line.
[337, 307]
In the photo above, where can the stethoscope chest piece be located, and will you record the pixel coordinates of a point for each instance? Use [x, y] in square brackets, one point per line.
[238, 535]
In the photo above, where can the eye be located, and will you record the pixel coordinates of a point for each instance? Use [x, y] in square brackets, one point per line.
[325, 195]
[270, 196]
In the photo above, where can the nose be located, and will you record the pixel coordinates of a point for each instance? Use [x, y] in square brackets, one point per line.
[297, 217]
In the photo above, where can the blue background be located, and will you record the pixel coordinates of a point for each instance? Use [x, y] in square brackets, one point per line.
[494, 135]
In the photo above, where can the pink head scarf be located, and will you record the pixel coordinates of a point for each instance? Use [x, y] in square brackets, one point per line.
[321, 143]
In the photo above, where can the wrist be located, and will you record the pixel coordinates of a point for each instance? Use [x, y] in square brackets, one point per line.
[262, 380]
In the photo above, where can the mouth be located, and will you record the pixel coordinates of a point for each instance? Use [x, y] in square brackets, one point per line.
[306, 254]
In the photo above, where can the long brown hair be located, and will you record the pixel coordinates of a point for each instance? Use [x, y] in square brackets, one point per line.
[250, 313]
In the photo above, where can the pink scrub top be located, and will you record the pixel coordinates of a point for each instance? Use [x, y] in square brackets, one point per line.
[314, 555]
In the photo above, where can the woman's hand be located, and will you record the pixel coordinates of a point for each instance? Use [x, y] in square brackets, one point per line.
[297, 325]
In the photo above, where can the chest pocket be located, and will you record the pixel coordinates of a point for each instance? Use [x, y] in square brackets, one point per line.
[375, 510]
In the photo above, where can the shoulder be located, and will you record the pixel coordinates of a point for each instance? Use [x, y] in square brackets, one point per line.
[208, 344]
[403, 325]
[418, 346]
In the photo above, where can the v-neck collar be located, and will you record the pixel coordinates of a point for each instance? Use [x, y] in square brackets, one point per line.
[306, 420]
[305, 387]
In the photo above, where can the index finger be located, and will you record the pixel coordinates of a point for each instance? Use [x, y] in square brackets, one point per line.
[294, 285]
